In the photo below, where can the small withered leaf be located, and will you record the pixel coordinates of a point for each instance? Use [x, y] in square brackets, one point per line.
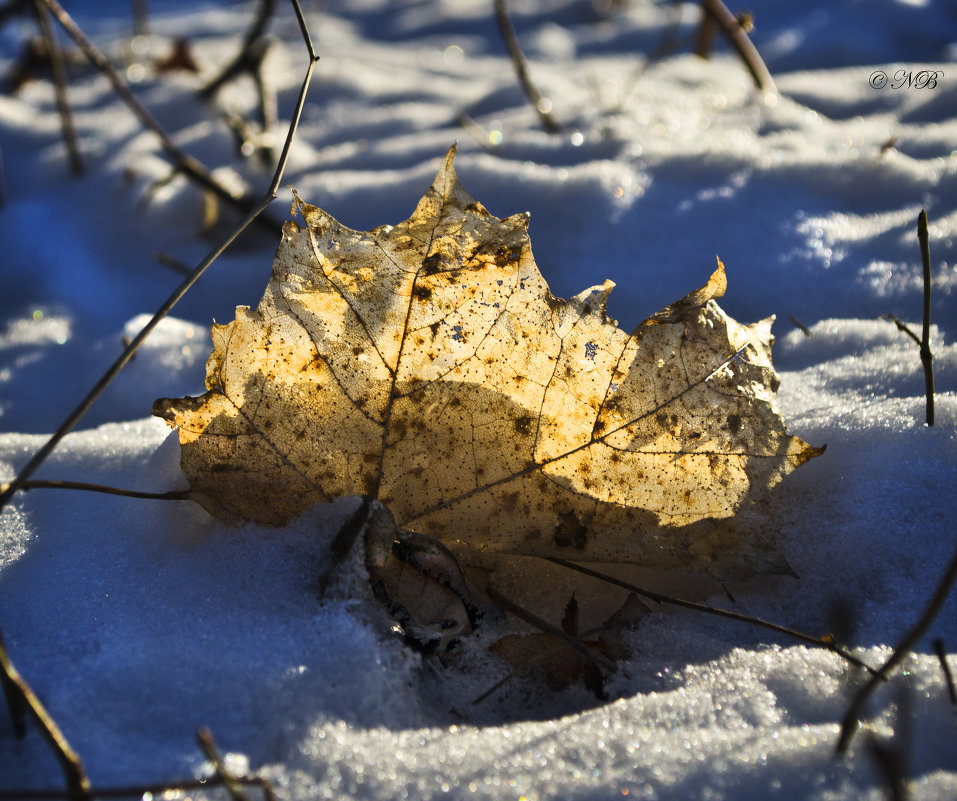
[562, 664]
[428, 365]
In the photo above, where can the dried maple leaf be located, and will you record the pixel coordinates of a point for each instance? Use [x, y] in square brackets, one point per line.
[427, 364]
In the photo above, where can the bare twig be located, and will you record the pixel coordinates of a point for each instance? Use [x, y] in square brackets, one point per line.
[192, 167]
[58, 69]
[941, 652]
[208, 745]
[174, 264]
[250, 62]
[891, 755]
[821, 642]
[241, 63]
[901, 326]
[904, 647]
[223, 778]
[542, 105]
[74, 417]
[667, 44]
[705, 35]
[800, 326]
[139, 790]
[736, 34]
[16, 705]
[923, 341]
[478, 133]
[141, 18]
[926, 357]
[22, 700]
[888, 146]
[171, 495]
[250, 140]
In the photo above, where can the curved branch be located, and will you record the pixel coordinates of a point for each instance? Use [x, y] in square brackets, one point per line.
[904, 647]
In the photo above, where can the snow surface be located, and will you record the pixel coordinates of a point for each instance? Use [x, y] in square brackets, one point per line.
[136, 622]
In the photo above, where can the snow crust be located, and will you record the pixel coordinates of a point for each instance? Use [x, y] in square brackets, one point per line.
[137, 622]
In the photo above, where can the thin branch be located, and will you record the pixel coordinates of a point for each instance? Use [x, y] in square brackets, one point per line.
[141, 18]
[800, 326]
[667, 44]
[541, 104]
[74, 417]
[705, 35]
[891, 755]
[904, 647]
[241, 63]
[25, 701]
[208, 745]
[58, 69]
[478, 133]
[821, 642]
[923, 341]
[171, 495]
[901, 326]
[174, 264]
[926, 357]
[739, 39]
[16, 704]
[223, 778]
[249, 139]
[138, 790]
[941, 652]
[192, 167]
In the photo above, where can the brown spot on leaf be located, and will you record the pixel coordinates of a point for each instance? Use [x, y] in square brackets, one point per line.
[433, 264]
[421, 293]
[570, 533]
